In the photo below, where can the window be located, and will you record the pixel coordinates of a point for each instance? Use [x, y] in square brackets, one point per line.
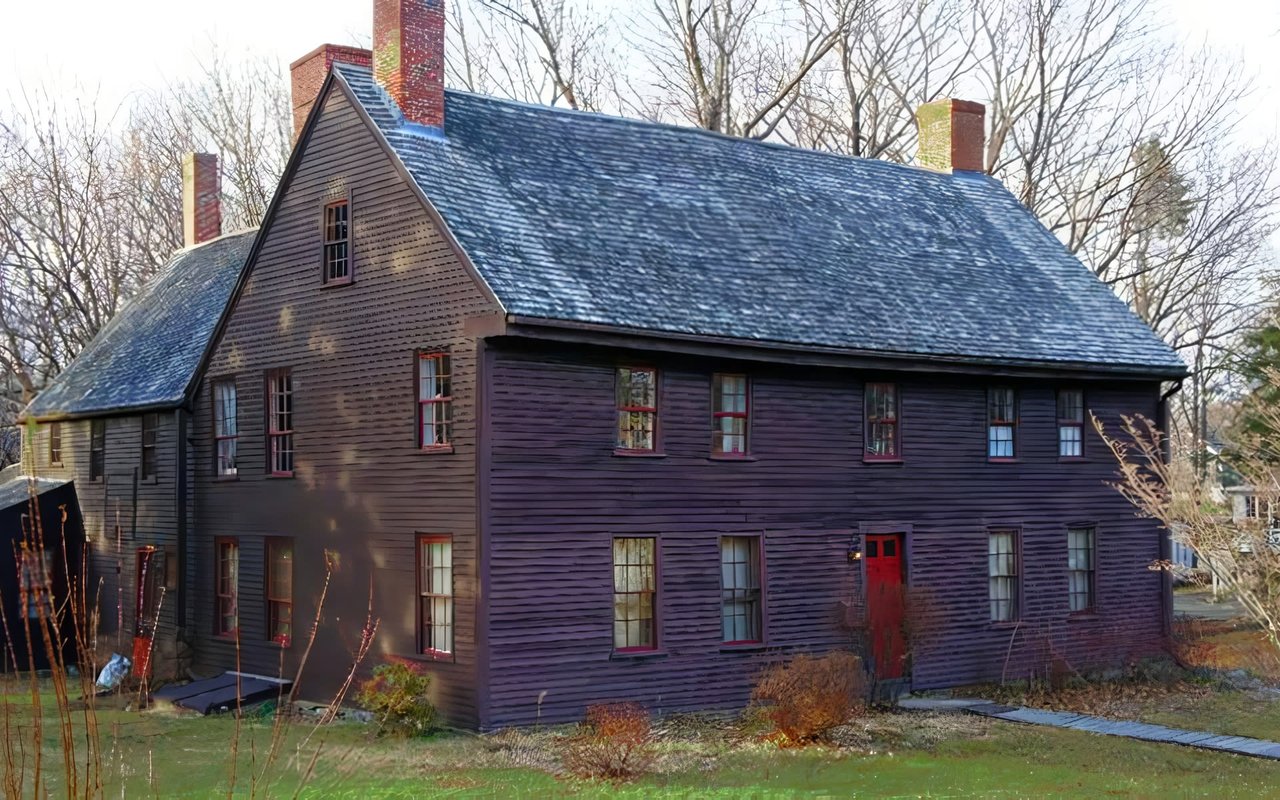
[280, 590]
[740, 589]
[1081, 562]
[280, 423]
[435, 401]
[226, 586]
[1071, 423]
[1002, 574]
[637, 394]
[148, 462]
[55, 443]
[435, 594]
[634, 592]
[224, 427]
[729, 420]
[882, 422]
[337, 261]
[1002, 421]
[97, 448]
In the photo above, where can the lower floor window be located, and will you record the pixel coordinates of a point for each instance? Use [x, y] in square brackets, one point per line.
[1081, 568]
[435, 594]
[280, 590]
[226, 586]
[740, 588]
[1002, 571]
[634, 593]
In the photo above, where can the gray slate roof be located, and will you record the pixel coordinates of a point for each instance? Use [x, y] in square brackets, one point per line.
[147, 354]
[597, 219]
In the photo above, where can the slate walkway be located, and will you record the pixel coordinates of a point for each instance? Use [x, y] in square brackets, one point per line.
[1242, 745]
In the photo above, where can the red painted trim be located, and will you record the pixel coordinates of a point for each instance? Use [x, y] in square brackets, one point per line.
[275, 435]
[745, 416]
[270, 544]
[325, 243]
[869, 422]
[218, 595]
[761, 581]
[657, 646]
[618, 409]
[431, 653]
[444, 370]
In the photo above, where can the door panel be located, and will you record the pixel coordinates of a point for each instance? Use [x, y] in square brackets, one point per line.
[886, 604]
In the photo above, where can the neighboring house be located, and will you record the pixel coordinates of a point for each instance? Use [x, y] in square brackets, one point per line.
[117, 423]
[595, 409]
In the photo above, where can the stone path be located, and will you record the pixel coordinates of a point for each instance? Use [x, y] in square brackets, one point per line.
[1242, 745]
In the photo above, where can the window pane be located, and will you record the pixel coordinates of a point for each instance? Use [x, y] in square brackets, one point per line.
[634, 569]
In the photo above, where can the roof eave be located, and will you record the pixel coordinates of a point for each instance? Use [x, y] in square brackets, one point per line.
[108, 411]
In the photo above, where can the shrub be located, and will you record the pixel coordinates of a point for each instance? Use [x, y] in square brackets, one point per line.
[614, 742]
[397, 696]
[807, 697]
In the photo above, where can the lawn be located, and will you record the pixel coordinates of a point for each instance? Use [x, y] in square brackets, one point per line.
[160, 753]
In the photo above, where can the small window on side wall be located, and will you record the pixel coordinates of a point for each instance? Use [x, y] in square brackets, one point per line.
[337, 251]
[147, 463]
[226, 587]
[1070, 423]
[97, 449]
[637, 403]
[1002, 423]
[740, 607]
[730, 421]
[635, 592]
[883, 442]
[225, 435]
[280, 439]
[435, 401]
[280, 590]
[55, 444]
[1082, 560]
[1002, 575]
[435, 595]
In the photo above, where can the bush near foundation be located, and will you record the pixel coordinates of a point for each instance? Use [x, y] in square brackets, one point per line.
[614, 742]
[807, 697]
[397, 696]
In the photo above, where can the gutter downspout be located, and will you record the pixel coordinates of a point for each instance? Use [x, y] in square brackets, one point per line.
[180, 506]
[1166, 540]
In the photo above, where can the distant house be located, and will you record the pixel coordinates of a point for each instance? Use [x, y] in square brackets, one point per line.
[595, 409]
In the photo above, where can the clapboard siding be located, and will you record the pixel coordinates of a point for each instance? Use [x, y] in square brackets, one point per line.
[362, 489]
[558, 494]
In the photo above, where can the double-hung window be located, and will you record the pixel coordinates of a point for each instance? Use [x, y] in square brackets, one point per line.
[97, 449]
[55, 443]
[881, 435]
[150, 422]
[637, 401]
[280, 423]
[1002, 575]
[435, 595]
[226, 586]
[1082, 558]
[224, 428]
[435, 401]
[729, 415]
[1070, 423]
[280, 590]
[635, 592]
[337, 254]
[740, 609]
[1002, 423]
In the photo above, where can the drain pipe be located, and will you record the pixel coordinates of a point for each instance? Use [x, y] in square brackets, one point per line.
[1166, 540]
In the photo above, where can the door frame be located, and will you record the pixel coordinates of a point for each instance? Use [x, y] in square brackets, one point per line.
[905, 529]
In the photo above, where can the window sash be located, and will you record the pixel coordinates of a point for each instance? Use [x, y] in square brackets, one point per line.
[435, 400]
[1081, 568]
[280, 423]
[635, 593]
[1002, 573]
[1070, 423]
[97, 448]
[1002, 422]
[55, 443]
[637, 408]
[740, 602]
[730, 414]
[279, 586]
[226, 587]
[225, 429]
[148, 463]
[337, 262]
[881, 430]
[435, 595]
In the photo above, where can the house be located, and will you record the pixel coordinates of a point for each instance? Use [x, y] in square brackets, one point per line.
[584, 409]
[116, 425]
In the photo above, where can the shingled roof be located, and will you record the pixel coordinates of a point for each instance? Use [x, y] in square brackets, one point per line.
[589, 218]
[146, 356]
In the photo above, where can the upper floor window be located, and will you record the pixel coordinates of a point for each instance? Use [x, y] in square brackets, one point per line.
[150, 422]
[280, 590]
[635, 591]
[740, 611]
[729, 415]
[97, 448]
[881, 436]
[1070, 423]
[1002, 423]
[226, 586]
[55, 443]
[337, 254]
[1002, 575]
[435, 400]
[1081, 568]
[225, 431]
[637, 401]
[280, 422]
[435, 594]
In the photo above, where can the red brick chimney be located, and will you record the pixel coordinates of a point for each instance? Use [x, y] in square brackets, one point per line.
[952, 135]
[408, 57]
[201, 198]
[307, 75]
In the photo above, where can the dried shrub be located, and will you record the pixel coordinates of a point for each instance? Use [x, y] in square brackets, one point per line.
[397, 696]
[807, 697]
[614, 742]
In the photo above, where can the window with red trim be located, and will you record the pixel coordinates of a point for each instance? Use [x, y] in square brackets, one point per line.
[1002, 423]
[637, 401]
[280, 422]
[337, 262]
[435, 595]
[881, 435]
[280, 590]
[635, 593]
[225, 433]
[740, 610]
[1071, 423]
[435, 401]
[730, 410]
[226, 586]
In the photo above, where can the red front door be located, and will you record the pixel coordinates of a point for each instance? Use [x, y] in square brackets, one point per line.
[886, 604]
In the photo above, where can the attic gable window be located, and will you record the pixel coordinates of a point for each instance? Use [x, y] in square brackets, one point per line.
[1071, 423]
[882, 439]
[1002, 423]
[280, 423]
[337, 252]
[225, 433]
[435, 401]
[729, 415]
[97, 448]
[637, 404]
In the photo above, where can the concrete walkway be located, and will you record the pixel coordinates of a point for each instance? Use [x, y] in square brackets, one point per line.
[1241, 745]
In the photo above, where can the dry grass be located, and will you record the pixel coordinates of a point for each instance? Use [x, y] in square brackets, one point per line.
[1226, 645]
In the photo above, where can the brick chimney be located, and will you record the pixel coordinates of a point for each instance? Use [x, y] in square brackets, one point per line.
[408, 57]
[952, 135]
[307, 75]
[201, 198]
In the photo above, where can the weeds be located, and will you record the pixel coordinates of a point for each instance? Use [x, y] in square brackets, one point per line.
[808, 697]
[614, 742]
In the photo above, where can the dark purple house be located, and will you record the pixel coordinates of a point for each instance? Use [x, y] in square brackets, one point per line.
[595, 409]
